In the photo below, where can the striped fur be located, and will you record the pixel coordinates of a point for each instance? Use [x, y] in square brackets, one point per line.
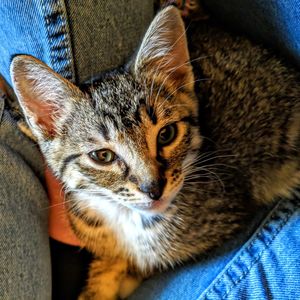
[246, 155]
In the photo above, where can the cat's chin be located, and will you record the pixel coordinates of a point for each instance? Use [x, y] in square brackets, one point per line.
[156, 206]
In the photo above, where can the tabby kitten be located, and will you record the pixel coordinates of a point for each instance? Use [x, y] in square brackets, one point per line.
[145, 190]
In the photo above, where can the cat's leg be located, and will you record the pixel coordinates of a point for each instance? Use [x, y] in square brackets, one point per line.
[109, 280]
[104, 279]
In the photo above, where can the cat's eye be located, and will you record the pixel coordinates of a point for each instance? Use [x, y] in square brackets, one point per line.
[103, 156]
[167, 135]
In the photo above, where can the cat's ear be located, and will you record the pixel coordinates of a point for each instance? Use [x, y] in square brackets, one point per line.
[44, 96]
[164, 48]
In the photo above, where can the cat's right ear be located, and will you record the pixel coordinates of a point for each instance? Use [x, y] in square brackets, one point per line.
[164, 49]
[45, 96]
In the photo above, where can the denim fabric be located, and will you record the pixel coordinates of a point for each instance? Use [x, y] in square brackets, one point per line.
[267, 266]
[38, 28]
[77, 39]
[24, 247]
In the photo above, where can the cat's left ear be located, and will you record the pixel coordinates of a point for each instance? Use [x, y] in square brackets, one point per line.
[164, 49]
[45, 96]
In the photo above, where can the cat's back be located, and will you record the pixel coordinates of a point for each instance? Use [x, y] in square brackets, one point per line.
[250, 105]
[237, 67]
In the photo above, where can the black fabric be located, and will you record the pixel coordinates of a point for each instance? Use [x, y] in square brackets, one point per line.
[69, 270]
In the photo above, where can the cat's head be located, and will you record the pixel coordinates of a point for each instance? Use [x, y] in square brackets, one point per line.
[128, 139]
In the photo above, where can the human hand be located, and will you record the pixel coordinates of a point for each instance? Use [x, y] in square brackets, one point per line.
[59, 226]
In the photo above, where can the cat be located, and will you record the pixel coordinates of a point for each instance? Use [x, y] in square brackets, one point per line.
[169, 156]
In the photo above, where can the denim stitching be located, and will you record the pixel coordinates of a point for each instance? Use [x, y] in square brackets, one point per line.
[58, 35]
[282, 207]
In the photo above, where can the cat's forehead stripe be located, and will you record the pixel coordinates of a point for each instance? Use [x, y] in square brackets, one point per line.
[108, 116]
[151, 114]
[66, 161]
[104, 131]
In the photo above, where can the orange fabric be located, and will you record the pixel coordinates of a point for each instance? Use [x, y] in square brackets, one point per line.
[2, 85]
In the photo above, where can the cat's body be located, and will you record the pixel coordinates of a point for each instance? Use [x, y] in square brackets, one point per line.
[247, 155]
[251, 109]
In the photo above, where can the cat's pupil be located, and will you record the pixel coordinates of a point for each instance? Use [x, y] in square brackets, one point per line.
[103, 156]
[167, 135]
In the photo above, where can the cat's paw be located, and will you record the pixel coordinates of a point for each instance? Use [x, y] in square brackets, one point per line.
[105, 279]
[128, 285]
[85, 295]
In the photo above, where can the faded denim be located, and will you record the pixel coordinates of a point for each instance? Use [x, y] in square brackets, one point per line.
[262, 263]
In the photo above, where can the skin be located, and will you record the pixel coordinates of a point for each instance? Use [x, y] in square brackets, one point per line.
[59, 227]
[2, 85]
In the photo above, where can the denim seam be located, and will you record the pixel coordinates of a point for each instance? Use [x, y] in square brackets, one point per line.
[58, 35]
[281, 207]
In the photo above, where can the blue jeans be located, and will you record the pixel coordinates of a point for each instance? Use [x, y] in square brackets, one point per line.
[261, 263]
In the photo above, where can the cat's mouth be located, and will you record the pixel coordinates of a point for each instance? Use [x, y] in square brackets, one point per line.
[155, 206]
[158, 206]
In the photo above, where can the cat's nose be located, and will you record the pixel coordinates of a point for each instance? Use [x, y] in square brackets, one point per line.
[153, 189]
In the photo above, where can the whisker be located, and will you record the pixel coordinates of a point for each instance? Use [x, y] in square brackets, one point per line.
[199, 162]
[56, 204]
[107, 198]
[209, 153]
